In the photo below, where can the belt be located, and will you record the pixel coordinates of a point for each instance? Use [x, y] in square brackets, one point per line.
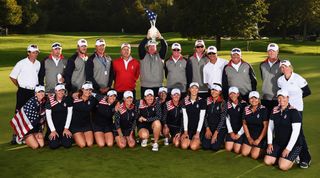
[27, 87]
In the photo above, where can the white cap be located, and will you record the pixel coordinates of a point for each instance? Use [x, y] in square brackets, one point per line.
[199, 43]
[100, 42]
[254, 94]
[285, 62]
[125, 45]
[39, 88]
[176, 46]
[56, 45]
[216, 87]
[148, 92]
[282, 93]
[151, 42]
[175, 91]
[236, 51]
[82, 42]
[163, 89]
[194, 84]
[273, 46]
[59, 86]
[212, 49]
[33, 48]
[111, 92]
[127, 94]
[87, 85]
[233, 90]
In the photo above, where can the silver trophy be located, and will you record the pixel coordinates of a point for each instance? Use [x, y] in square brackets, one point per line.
[153, 31]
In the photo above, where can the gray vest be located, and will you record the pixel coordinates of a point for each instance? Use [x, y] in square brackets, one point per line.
[176, 74]
[52, 71]
[269, 76]
[197, 71]
[78, 75]
[151, 71]
[101, 71]
[240, 79]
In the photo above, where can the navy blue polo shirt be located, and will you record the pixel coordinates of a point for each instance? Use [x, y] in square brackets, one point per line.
[193, 111]
[235, 114]
[255, 120]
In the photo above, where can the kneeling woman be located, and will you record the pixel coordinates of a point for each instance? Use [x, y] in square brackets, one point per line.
[215, 120]
[103, 119]
[125, 122]
[59, 113]
[81, 121]
[255, 123]
[284, 136]
[172, 119]
[235, 105]
[149, 116]
[31, 118]
[194, 111]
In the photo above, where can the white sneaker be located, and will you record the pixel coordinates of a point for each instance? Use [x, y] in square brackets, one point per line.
[166, 141]
[155, 147]
[144, 142]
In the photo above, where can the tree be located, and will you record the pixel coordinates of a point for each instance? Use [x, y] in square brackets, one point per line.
[10, 13]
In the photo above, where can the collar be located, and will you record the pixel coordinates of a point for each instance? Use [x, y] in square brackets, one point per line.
[60, 57]
[180, 58]
[241, 62]
[130, 58]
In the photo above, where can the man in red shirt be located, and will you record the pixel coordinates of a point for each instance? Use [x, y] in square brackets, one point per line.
[126, 72]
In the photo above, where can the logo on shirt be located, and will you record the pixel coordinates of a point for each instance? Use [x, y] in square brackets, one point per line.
[197, 105]
[132, 114]
[285, 116]
[258, 115]
[64, 104]
[217, 108]
[88, 102]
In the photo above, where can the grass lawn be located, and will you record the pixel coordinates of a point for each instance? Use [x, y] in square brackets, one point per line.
[19, 161]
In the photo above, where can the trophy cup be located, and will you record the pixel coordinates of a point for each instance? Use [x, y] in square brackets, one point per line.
[153, 31]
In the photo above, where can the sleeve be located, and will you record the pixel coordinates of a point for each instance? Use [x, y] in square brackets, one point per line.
[69, 117]
[49, 120]
[228, 123]
[163, 49]
[225, 84]
[200, 123]
[296, 127]
[165, 69]
[189, 72]
[137, 72]
[264, 114]
[301, 81]
[158, 113]
[205, 77]
[223, 116]
[165, 114]
[117, 120]
[306, 91]
[241, 131]
[185, 119]
[16, 71]
[206, 117]
[89, 72]
[42, 72]
[253, 78]
[260, 67]
[68, 73]
[142, 49]
[270, 131]
[111, 75]
[279, 82]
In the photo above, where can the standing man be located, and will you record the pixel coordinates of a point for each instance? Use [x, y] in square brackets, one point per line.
[212, 71]
[52, 68]
[195, 65]
[24, 75]
[151, 63]
[175, 70]
[99, 68]
[270, 72]
[240, 74]
[126, 71]
[75, 75]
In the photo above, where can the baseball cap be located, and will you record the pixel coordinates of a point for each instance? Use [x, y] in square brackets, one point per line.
[176, 46]
[194, 84]
[148, 92]
[125, 45]
[285, 62]
[273, 46]
[236, 51]
[33, 48]
[59, 86]
[100, 42]
[216, 86]
[127, 94]
[233, 90]
[111, 92]
[163, 89]
[199, 43]
[56, 45]
[82, 42]
[212, 49]
[282, 93]
[87, 85]
[175, 91]
[254, 94]
[39, 88]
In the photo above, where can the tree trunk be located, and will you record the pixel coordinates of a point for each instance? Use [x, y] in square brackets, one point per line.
[218, 42]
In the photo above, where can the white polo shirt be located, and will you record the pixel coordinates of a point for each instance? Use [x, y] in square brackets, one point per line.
[293, 86]
[26, 73]
[212, 73]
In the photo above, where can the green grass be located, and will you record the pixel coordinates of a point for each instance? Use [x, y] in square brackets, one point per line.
[18, 161]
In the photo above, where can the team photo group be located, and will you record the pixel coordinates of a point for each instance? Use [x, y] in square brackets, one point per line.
[206, 103]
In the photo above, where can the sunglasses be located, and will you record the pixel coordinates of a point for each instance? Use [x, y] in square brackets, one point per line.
[199, 46]
[176, 50]
[211, 53]
[56, 45]
[34, 46]
[236, 50]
